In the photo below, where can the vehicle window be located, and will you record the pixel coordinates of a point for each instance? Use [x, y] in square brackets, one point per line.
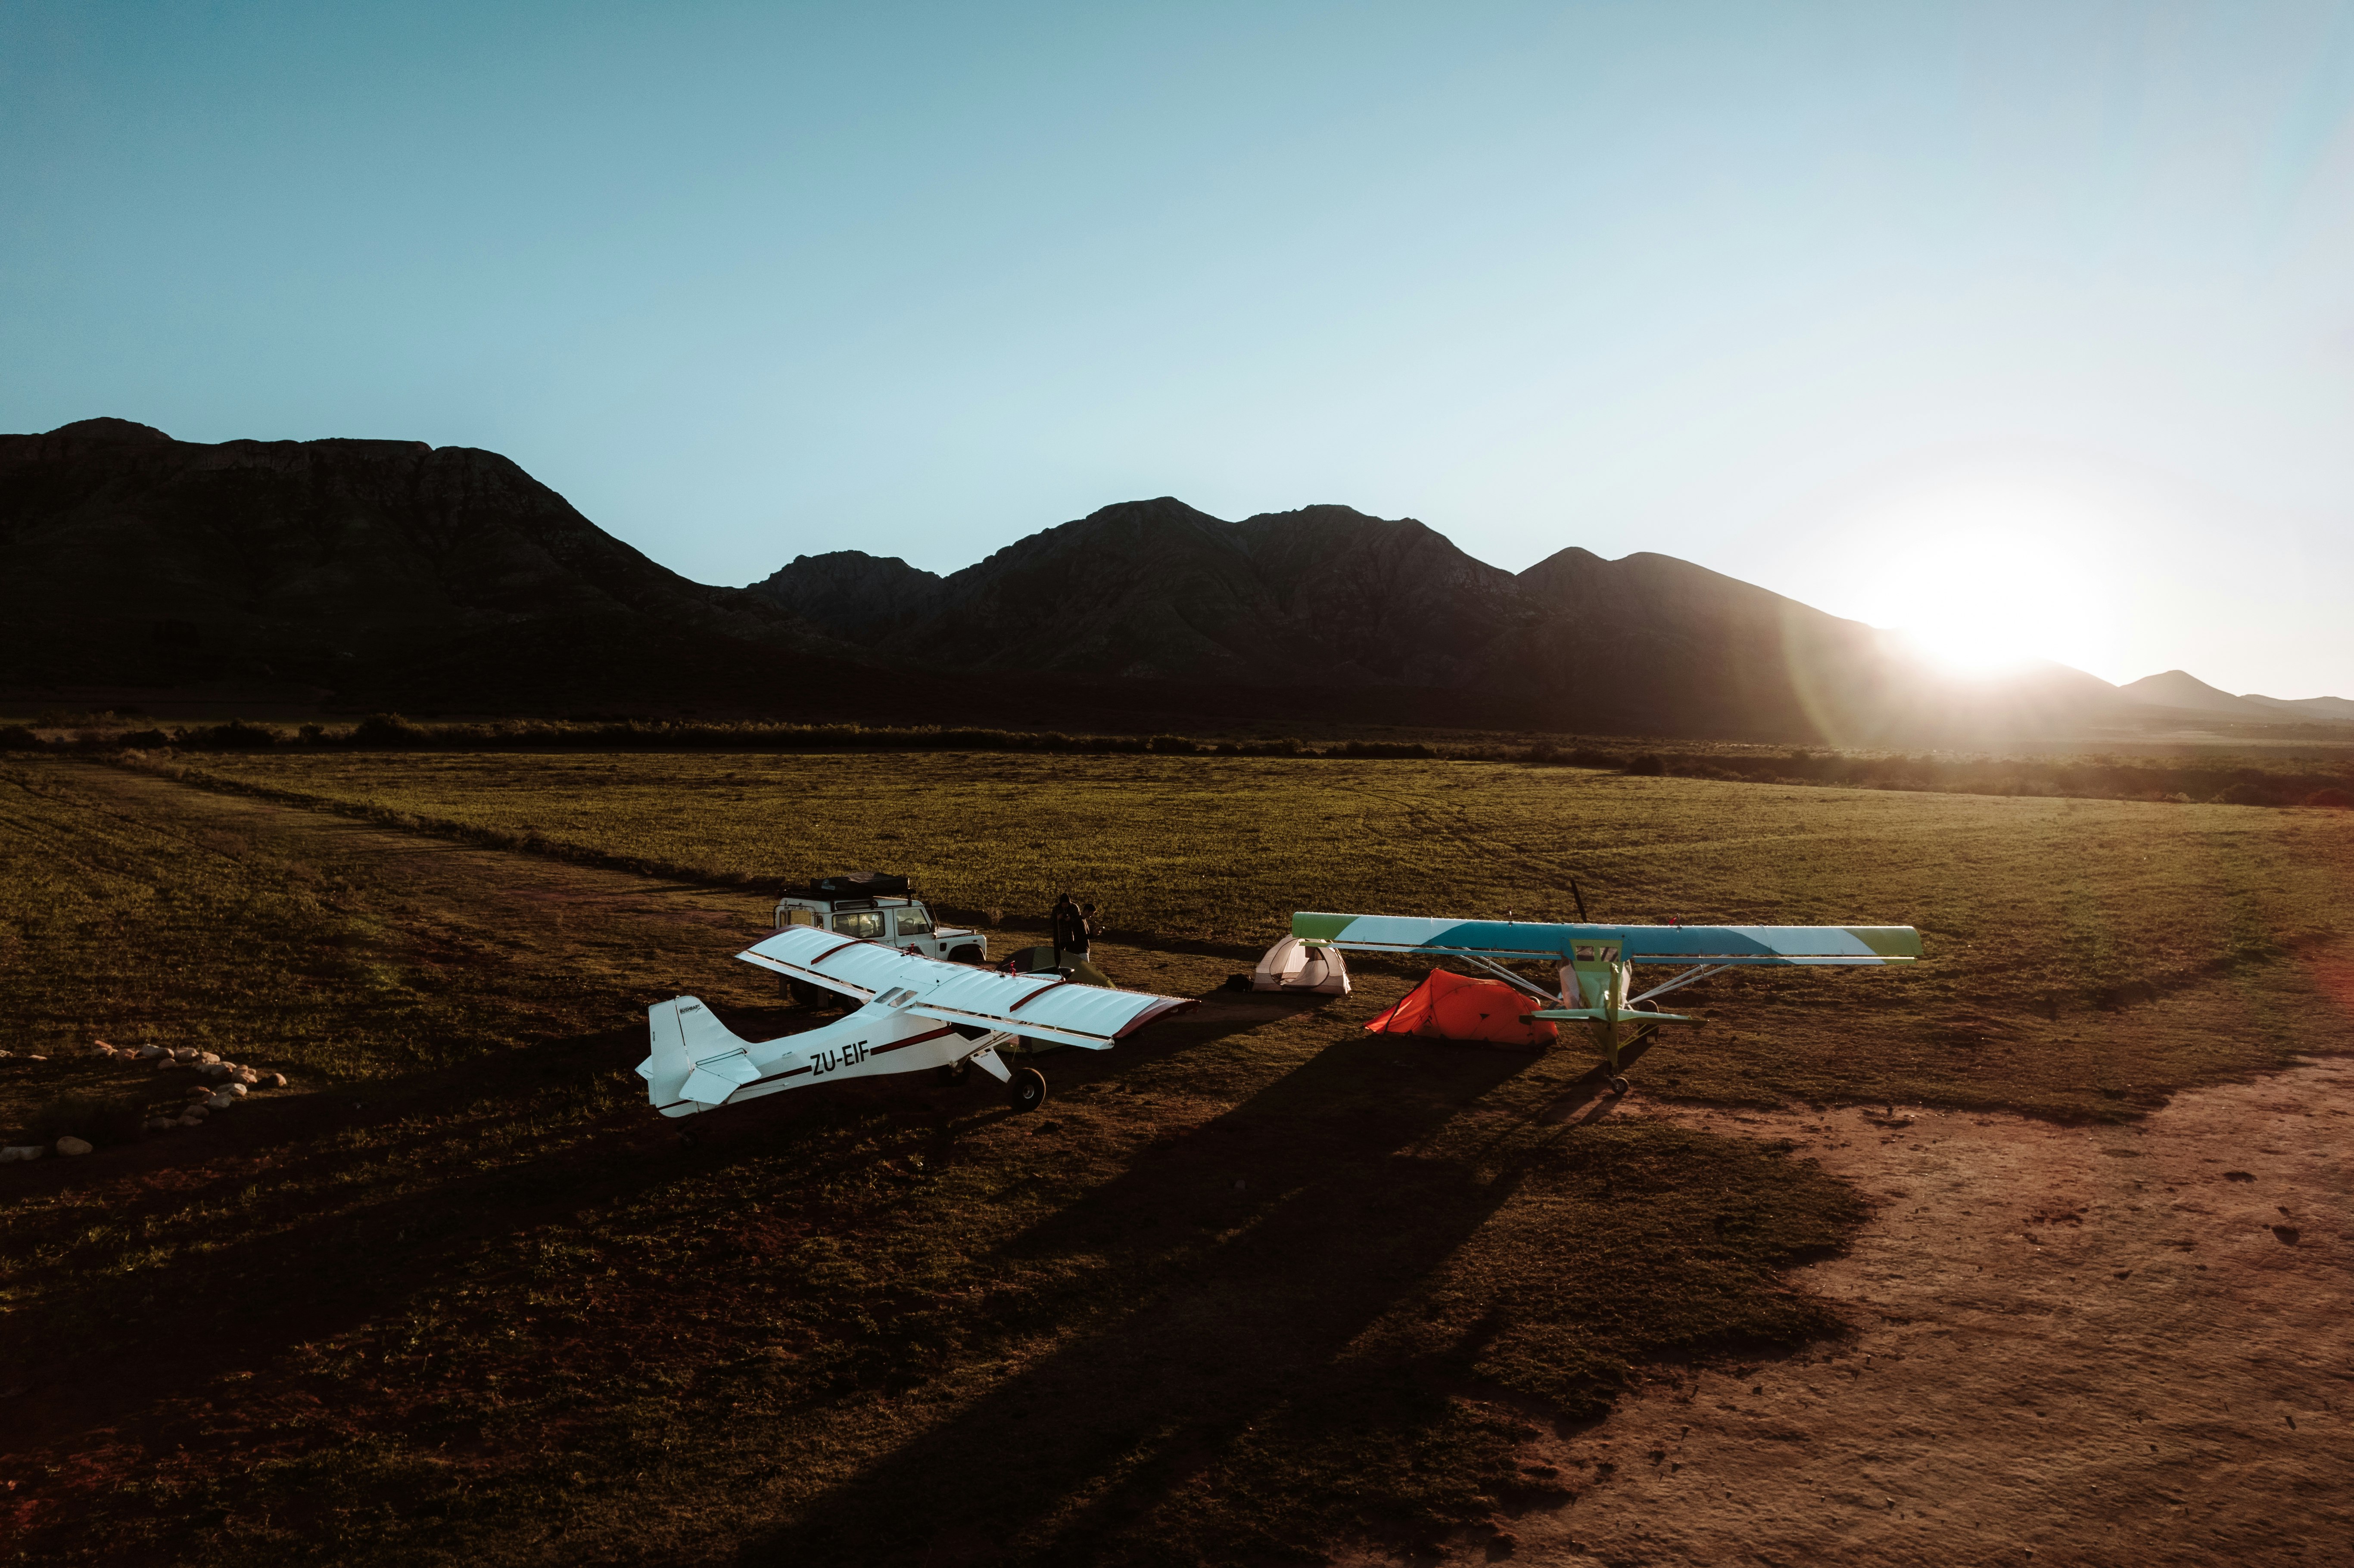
[915, 922]
[802, 918]
[863, 922]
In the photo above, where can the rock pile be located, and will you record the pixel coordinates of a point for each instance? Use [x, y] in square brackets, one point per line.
[232, 1083]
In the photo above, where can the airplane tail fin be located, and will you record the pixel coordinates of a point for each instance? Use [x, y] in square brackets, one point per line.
[693, 1062]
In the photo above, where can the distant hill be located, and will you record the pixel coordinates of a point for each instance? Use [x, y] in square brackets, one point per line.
[2336, 710]
[353, 574]
[1328, 597]
[2180, 689]
[374, 572]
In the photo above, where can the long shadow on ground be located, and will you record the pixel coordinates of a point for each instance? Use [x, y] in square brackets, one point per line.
[101, 1348]
[244, 1298]
[1263, 1242]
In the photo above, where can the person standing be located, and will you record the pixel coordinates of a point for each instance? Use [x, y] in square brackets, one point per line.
[1089, 928]
[1069, 927]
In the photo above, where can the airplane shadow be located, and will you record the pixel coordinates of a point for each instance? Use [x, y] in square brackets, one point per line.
[1261, 1245]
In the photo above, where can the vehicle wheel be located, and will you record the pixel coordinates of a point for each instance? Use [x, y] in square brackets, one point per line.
[948, 1075]
[1617, 1085]
[1027, 1091]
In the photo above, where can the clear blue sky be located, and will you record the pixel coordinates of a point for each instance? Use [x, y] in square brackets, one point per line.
[2036, 316]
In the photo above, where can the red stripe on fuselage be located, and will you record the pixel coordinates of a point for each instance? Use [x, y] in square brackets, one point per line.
[913, 1040]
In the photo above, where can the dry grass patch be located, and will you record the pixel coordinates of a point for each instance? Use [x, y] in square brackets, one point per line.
[2085, 957]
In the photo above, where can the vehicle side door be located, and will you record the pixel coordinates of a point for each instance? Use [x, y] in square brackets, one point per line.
[913, 931]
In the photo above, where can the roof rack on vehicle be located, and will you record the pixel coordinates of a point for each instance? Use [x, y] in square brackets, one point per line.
[860, 885]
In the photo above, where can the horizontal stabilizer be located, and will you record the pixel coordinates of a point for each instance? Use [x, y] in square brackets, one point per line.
[713, 1082]
[691, 1056]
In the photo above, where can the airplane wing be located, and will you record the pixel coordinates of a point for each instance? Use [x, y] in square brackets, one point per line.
[1530, 939]
[851, 965]
[1044, 1007]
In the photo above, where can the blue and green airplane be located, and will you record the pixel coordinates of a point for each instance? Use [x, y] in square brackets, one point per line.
[1596, 963]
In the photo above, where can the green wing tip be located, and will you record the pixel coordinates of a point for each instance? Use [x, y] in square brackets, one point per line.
[1892, 942]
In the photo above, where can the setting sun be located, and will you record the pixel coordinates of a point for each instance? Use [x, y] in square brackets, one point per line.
[1987, 581]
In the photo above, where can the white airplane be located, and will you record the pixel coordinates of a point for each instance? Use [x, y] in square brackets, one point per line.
[919, 1013]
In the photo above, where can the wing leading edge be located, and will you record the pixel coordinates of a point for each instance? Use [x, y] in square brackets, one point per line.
[1530, 939]
[1044, 1007]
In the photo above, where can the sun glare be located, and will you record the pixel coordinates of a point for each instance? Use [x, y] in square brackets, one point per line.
[1985, 584]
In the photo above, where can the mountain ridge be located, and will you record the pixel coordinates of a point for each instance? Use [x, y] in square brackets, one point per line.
[396, 573]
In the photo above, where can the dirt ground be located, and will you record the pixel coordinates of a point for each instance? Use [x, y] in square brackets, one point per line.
[2116, 1344]
[2074, 1345]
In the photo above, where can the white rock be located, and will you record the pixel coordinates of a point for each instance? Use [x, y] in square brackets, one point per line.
[149, 1053]
[248, 1075]
[198, 1094]
[235, 1089]
[72, 1146]
[7, 1053]
[222, 1101]
[277, 1080]
[193, 1117]
[207, 1057]
[21, 1151]
[32, 1058]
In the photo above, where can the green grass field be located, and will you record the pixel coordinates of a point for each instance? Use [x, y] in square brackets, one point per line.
[2084, 955]
[1256, 1287]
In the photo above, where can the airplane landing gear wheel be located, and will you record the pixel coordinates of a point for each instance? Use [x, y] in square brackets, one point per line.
[949, 1075]
[1027, 1091]
[1617, 1085]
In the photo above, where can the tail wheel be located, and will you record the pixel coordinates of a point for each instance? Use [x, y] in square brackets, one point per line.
[1617, 1085]
[1027, 1091]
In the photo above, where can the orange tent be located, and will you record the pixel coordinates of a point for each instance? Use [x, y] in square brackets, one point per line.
[1457, 1007]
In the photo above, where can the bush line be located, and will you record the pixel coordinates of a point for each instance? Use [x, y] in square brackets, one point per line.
[2219, 781]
